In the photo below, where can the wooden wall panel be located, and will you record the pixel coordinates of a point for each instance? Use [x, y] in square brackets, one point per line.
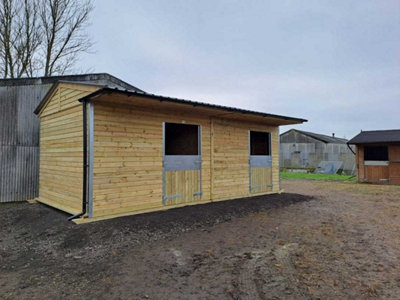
[231, 158]
[394, 153]
[377, 174]
[394, 164]
[61, 149]
[360, 163]
[231, 161]
[60, 183]
[128, 159]
[65, 96]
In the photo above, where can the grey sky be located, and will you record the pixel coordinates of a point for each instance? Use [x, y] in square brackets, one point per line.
[335, 63]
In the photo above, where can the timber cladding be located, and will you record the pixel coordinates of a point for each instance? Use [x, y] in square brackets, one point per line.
[60, 180]
[378, 156]
[131, 171]
[128, 158]
[20, 101]
[382, 170]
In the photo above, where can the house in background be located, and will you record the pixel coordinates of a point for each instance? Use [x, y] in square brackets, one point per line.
[105, 152]
[378, 156]
[19, 130]
[308, 150]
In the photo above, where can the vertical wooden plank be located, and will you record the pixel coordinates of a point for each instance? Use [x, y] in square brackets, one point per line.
[360, 163]
[185, 183]
[261, 177]
[394, 164]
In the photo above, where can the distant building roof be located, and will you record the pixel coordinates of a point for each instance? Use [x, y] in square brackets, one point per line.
[104, 79]
[376, 136]
[320, 137]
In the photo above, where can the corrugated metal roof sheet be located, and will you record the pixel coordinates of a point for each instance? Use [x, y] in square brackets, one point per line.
[376, 136]
[99, 78]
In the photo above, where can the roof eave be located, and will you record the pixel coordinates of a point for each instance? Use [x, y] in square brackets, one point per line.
[107, 90]
[372, 142]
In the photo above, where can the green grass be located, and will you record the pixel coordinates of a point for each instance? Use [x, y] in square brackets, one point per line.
[322, 177]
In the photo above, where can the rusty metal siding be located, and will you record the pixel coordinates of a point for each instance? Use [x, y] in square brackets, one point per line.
[19, 141]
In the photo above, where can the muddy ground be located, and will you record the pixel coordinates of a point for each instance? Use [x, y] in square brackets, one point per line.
[321, 240]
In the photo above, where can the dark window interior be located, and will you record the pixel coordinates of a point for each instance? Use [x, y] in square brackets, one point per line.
[181, 139]
[376, 153]
[259, 143]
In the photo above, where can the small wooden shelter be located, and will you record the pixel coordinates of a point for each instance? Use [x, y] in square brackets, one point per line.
[378, 156]
[106, 152]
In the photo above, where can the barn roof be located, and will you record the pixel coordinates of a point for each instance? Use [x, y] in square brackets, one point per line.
[376, 136]
[194, 104]
[95, 78]
[320, 137]
[98, 79]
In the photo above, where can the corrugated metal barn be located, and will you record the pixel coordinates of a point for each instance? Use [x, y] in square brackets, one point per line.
[378, 156]
[19, 130]
[302, 149]
[106, 152]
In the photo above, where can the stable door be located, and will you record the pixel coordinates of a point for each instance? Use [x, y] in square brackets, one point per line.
[181, 163]
[260, 162]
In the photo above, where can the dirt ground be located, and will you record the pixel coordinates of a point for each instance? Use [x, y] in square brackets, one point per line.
[319, 240]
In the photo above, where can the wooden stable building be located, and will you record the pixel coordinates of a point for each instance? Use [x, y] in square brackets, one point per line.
[20, 130]
[378, 156]
[106, 152]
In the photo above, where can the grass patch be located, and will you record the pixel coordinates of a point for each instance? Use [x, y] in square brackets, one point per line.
[322, 177]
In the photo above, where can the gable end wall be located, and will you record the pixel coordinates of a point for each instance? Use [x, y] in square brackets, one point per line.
[60, 183]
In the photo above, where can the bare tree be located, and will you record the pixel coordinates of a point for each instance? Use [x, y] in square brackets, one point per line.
[42, 36]
[64, 23]
[19, 36]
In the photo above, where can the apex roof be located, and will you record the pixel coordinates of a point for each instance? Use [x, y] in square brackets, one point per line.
[377, 136]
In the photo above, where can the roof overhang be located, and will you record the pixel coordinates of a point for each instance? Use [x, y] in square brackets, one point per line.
[374, 143]
[211, 110]
[84, 78]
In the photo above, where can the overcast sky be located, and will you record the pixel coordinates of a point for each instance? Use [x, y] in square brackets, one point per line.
[335, 63]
